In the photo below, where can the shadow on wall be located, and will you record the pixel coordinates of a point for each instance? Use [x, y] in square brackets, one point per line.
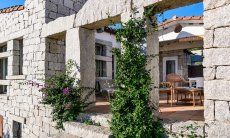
[184, 34]
[57, 8]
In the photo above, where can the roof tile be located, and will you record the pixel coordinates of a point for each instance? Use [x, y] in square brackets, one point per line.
[182, 18]
[12, 9]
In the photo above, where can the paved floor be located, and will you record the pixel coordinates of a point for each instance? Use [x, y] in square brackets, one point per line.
[179, 112]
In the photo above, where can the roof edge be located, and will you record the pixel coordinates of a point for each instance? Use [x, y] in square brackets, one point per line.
[12, 9]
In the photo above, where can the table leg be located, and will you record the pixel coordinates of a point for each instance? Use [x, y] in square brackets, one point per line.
[193, 97]
[201, 99]
[171, 97]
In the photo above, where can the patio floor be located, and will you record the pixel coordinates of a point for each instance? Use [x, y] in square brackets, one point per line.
[177, 113]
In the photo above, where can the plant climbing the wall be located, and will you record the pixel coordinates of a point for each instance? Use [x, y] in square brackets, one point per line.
[132, 115]
[64, 93]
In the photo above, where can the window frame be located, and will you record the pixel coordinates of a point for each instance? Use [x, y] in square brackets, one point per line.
[101, 69]
[100, 49]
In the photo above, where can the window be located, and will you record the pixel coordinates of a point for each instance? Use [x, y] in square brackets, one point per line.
[20, 56]
[3, 48]
[101, 68]
[100, 49]
[17, 129]
[3, 74]
[170, 66]
[3, 69]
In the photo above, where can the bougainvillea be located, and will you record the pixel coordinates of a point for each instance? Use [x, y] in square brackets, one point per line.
[68, 99]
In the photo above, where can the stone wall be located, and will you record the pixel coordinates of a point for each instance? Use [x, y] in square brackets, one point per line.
[22, 101]
[61, 8]
[216, 63]
[55, 56]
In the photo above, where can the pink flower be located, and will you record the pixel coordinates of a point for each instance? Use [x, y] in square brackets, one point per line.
[66, 91]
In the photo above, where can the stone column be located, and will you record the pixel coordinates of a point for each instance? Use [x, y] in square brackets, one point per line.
[80, 47]
[153, 66]
[217, 68]
[13, 59]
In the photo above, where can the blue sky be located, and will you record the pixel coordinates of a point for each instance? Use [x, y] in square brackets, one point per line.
[191, 10]
[9, 3]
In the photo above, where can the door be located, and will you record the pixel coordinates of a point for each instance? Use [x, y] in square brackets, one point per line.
[1, 126]
[170, 65]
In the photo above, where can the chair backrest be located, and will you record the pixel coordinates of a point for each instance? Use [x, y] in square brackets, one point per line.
[174, 78]
[106, 84]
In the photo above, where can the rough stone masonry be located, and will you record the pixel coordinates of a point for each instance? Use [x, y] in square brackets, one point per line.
[54, 31]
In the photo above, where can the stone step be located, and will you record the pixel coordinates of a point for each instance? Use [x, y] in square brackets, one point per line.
[86, 131]
[102, 119]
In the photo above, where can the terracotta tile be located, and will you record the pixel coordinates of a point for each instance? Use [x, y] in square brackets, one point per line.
[11, 9]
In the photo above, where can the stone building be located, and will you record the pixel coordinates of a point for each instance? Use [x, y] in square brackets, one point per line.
[180, 39]
[38, 38]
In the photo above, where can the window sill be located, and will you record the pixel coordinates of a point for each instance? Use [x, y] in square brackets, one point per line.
[4, 55]
[104, 58]
[16, 77]
[103, 78]
[4, 96]
[4, 82]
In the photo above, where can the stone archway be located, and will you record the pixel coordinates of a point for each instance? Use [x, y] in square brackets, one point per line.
[216, 47]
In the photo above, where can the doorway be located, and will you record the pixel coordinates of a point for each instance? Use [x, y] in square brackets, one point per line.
[170, 65]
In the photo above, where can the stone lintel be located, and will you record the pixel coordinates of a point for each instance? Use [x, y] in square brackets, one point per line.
[17, 118]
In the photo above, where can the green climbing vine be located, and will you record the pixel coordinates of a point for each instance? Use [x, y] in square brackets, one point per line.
[132, 115]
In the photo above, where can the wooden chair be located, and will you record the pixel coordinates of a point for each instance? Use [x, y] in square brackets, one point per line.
[174, 79]
[166, 88]
[108, 87]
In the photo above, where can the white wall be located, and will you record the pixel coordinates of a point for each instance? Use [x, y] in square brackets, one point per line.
[108, 37]
[188, 30]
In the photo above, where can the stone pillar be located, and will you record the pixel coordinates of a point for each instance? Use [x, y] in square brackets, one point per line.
[13, 59]
[217, 68]
[80, 47]
[153, 66]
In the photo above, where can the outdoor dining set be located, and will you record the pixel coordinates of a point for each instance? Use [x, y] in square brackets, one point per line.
[176, 93]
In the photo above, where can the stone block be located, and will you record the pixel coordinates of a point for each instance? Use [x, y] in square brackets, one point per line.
[217, 129]
[51, 6]
[218, 17]
[212, 4]
[208, 38]
[63, 10]
[221, 37]
[17, 118]
[217, 90]
[222, 112]
[68, 3]
[209, 110]
[216, 57]
[223, 72]
[209, 73]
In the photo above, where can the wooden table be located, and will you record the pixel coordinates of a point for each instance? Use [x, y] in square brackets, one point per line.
[192, 91]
